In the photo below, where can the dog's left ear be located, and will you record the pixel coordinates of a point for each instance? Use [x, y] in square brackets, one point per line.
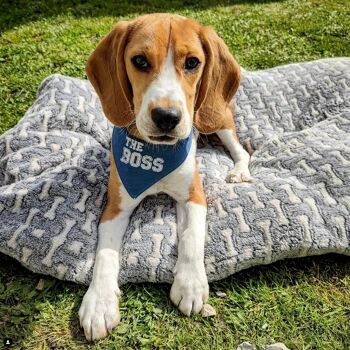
[219, 83]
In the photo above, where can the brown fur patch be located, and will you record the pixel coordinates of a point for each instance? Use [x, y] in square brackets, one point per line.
[220, 81]
[106, 71]
[112, 208]
[228, 123]
[196, 191]
[186, 43]
[150, 39]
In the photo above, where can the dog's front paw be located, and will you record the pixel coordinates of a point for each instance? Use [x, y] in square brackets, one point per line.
[190, 289]
[99, 312]
[240, 173]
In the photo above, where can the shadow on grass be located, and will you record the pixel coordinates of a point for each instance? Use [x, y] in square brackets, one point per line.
[21, 304]
[17, 12]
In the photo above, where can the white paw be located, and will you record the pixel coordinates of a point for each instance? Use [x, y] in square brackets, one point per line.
[190, 289]
[99, 312]
[240, 173]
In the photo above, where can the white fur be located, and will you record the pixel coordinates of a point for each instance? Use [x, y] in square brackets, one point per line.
[239, 155]
[167, 86]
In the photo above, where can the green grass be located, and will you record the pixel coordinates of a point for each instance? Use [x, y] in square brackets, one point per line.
[304, 303]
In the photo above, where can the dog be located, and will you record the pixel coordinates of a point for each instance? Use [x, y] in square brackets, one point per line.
[159, 77]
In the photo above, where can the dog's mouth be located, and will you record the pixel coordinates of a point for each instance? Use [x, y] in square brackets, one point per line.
[163, 139]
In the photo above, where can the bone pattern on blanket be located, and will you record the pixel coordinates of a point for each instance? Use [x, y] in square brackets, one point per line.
[54, 169]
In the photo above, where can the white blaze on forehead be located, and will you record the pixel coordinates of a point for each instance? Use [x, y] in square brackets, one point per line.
[166, 85]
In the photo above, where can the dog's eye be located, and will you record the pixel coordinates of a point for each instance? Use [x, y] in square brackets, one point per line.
[140, 62]
[191, 63]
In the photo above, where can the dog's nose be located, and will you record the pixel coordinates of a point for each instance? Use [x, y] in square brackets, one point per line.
[166, 119]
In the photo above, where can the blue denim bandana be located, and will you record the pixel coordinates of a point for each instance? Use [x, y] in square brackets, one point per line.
[141, 164]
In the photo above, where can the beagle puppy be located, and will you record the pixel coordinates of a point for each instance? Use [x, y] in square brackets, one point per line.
[159, 78]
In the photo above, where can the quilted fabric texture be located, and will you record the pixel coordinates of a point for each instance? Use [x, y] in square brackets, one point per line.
[54, 170]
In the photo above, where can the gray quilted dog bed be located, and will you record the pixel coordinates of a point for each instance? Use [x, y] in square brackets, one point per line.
[296, 118]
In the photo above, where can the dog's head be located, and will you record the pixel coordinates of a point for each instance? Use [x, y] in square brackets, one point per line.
[162, 74]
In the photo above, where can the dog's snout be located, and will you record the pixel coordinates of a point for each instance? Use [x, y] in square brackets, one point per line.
[166, 119]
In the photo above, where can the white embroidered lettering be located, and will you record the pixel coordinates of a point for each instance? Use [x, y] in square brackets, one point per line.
[133, 144]
[146, 162]
[158, 165]
[126, 155]
[139, 147]
[128, 141]
[135, 159]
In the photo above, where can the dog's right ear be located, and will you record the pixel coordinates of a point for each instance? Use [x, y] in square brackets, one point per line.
[107, 73]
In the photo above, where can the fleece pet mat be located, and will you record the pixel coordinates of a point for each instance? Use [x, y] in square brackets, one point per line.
[296, 118]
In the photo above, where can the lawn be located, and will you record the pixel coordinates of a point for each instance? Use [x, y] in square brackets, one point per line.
[304, 303]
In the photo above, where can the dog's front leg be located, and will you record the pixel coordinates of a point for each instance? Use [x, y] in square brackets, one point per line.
[240, 156]
[99, 311]
[190, 288]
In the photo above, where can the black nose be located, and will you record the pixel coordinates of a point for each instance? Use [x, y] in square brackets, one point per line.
[166, 119]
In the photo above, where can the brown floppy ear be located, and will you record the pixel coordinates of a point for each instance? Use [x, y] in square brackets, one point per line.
[106, 71]
[219, 83]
